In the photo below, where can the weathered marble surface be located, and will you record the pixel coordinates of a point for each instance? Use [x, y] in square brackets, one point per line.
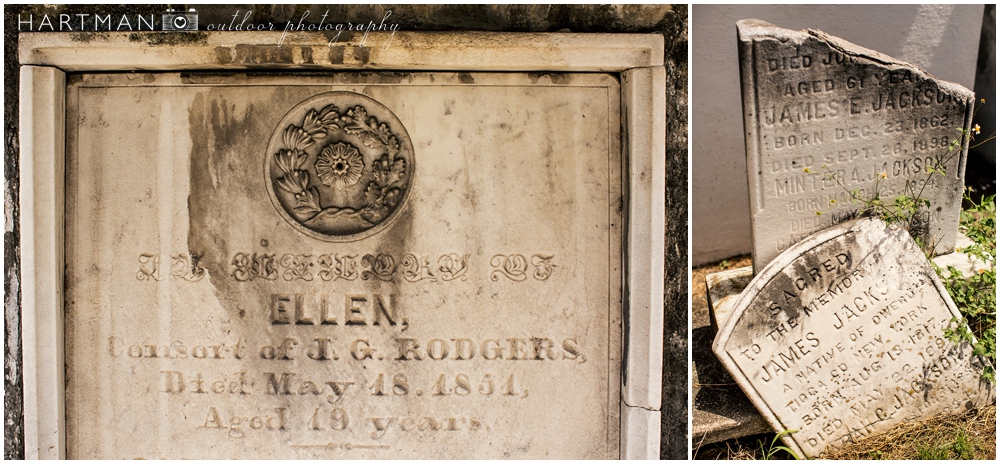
[824, 117]
[42, 165]
[841, 337]
[193, 303]
[273, 50]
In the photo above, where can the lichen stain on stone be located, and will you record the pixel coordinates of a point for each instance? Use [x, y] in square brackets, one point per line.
[223, 55]
[547, 153]
[156, 39]
[394, 241]
[339, 36]
[86, 37]
[226, 185]
[263, 54]
[465, 78]
[337, 54]
[373, 78]
[362, 53]
[557, 78]
[246, 54]
[307, 55]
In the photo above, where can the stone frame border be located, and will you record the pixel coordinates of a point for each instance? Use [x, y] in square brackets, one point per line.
[45, 59]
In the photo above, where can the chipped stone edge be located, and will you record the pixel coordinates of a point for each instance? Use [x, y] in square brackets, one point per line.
[734, 427]
[755, 29]
[965, 263]
[763, 278]
[723, 288]
[426, 51]
[722, 291]
[42, 197]
[637, 57]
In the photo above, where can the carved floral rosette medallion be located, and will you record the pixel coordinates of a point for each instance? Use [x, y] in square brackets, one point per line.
[339, 166]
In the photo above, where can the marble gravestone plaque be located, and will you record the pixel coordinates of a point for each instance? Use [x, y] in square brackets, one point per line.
[374, 265]
[824, 117]
[841, 337]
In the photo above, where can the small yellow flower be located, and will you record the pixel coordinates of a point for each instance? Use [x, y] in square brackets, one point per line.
[883, 175]
[982, 100]
[976, 129]
[807, 169]
[819, 213]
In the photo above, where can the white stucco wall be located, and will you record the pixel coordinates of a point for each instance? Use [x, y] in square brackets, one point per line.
[941, 39]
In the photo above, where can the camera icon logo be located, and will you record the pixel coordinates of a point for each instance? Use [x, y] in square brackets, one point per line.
[180, 20]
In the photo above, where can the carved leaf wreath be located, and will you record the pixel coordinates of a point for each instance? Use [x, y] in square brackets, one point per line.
[292, 159]
[388, 172]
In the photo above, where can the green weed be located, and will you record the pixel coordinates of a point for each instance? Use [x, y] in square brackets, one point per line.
[931, 452]
[769, 451]
[975, 296]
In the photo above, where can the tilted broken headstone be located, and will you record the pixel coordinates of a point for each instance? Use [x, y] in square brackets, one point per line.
[842, 336]
[824, 117]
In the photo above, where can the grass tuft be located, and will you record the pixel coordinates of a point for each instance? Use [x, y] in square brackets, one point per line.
[971, 435]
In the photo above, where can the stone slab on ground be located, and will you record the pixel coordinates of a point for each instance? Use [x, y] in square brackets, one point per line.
[824, 117]
[841, 337]
[964, 262]
[723, 289]
[720, 409]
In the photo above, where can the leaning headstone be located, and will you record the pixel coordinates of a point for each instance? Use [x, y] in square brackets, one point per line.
[841, 337]
[824, 117]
